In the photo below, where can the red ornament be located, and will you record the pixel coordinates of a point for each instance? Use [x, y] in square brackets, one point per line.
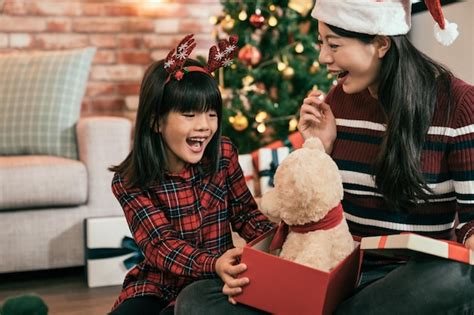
[250, 55]
[257, 19]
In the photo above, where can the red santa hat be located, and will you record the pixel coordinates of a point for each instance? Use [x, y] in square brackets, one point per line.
[381, 17]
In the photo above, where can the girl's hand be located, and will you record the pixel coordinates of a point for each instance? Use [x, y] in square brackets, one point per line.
[470, 242]
[317, 120]
[228, 271]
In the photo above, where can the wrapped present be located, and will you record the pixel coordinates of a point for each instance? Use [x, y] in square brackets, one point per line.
[110, 251]
[268, 160]
[301, 289]
[403, 245]
[245, 161]
[294, 141]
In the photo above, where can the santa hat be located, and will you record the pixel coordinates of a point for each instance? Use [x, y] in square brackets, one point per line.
[379, 17]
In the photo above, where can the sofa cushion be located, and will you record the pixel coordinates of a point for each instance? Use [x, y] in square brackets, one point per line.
[41, 181]
[40, 101]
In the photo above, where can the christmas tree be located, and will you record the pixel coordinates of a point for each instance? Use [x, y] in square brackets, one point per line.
[276, 67]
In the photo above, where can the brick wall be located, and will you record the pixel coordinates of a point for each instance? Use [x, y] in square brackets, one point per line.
[128, 34]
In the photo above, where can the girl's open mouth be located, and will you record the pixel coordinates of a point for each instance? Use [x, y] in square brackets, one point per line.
[195, 143]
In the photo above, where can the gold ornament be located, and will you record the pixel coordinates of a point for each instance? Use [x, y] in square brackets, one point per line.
[213, 20]
[272, 21]
[261, 116]
[261, 128]
[239, 122]
[292, 124]
[281, 66]
[301, 6]
[288, 73]
[247, 80]
[243, 15]
[228, 24]
[314, 67]
[299, 48]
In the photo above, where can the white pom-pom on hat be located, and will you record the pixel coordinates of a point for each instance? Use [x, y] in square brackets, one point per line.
[444, 32]
[381, 17]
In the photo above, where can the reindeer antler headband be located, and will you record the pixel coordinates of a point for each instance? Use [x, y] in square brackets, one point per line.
[221, 56]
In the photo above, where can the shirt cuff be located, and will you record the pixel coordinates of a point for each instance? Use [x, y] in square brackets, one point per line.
[209, 266]
[466, 231]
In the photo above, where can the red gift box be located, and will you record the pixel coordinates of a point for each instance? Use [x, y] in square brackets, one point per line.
[280, 286]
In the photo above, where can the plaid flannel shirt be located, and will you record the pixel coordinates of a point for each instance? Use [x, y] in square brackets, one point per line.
[181, 224]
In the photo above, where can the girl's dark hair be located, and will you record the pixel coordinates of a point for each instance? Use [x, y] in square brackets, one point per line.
[195, 92]
[408, 90]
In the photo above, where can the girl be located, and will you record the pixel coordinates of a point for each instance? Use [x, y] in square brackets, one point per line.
[180, 188]
[401, 129]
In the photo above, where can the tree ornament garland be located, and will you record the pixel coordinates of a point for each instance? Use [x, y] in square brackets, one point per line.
[274, 72]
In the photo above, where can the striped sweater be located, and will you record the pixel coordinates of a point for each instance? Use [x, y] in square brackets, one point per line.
[447, 163]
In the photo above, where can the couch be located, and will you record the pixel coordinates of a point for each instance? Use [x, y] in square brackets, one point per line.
[53, 161]
[45, 199]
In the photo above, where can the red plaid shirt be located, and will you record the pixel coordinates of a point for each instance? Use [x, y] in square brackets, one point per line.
[181, 224]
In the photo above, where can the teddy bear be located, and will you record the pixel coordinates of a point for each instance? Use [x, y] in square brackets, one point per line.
[306, 198]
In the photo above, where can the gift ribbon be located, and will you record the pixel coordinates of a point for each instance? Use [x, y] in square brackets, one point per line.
[248, 177]
[332, 219]
[128, 246]
[273, 167]
[287, 143]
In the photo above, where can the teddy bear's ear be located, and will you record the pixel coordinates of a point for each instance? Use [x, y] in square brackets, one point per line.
[314, 143]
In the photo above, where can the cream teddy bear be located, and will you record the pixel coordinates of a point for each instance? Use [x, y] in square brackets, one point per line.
[307, 198]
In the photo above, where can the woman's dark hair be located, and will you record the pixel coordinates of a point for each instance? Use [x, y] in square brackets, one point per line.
[408, 90]
[195, 92]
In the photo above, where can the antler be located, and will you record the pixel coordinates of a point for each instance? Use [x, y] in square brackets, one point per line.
[223, 56]
[174, 61]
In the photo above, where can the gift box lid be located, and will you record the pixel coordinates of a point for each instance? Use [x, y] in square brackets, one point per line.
[280, 286]
[406, 244]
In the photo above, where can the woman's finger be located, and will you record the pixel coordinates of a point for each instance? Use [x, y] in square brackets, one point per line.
[311, 110]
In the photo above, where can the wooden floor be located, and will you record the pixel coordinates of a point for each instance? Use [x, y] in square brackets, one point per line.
[65, 291]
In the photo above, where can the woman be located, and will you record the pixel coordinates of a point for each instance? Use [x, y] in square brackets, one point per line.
[401, 129]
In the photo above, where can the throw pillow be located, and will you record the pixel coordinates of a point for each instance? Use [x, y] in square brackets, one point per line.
[40, 101]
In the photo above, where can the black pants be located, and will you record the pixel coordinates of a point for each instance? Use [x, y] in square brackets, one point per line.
[424, 285]
[205, 297]
[143, 305]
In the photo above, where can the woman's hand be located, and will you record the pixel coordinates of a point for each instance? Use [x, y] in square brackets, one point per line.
[317, 120]
[228, 270]
[470, 242]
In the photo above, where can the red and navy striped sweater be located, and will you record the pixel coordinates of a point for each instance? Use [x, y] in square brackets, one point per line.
[447, 163]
